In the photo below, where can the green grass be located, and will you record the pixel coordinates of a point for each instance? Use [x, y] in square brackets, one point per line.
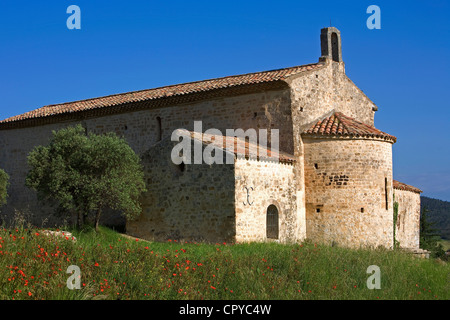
[33, 266]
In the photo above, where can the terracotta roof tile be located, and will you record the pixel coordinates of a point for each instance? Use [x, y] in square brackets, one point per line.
[242, 148]
[403, 186]
[163, 92]
[338, 124]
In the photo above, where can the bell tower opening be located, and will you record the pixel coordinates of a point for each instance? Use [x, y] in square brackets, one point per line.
[335, 47]
[330, 43]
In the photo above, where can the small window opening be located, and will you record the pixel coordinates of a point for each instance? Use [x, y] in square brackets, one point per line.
[317, 210]
[158, 129]
[362, 210]
[316, 166]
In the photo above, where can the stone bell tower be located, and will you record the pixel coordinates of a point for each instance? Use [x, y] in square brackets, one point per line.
[330, 43]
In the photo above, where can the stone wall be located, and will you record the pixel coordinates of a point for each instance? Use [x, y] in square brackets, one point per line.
[408, 219]
[194, 202]
[264, 110]
[267, 183]
[211, 203]
[347, 202]
[317, 93]
[15, 146]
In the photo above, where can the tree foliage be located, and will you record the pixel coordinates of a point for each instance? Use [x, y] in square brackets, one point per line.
[439, 212]
[4, 183]
[87, 172]
[429, 235]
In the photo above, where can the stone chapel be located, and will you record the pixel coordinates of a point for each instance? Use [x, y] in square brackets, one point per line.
[331, 180]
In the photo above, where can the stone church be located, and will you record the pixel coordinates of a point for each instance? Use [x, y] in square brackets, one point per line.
[331, 180]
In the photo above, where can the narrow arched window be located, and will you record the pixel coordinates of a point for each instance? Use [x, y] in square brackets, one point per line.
[335, 46]
[158, 129]
[386, 198]
[272, 222]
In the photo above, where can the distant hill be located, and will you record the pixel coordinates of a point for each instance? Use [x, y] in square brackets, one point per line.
[439, 213]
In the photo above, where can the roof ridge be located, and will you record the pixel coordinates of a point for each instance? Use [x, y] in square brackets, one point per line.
[346, 125]
[182, 83]
[354, 120]
[206, 86]
[335, 115]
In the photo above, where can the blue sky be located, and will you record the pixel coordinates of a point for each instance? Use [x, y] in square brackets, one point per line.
[131, 45]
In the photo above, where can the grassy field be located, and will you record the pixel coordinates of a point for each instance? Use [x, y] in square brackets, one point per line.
[33, 266]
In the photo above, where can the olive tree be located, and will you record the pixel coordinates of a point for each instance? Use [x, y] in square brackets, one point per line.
[87, 173]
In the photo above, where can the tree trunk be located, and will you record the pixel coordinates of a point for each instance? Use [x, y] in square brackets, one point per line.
[85, 215]
[97, 218]
[79, 219]
[80, 210]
